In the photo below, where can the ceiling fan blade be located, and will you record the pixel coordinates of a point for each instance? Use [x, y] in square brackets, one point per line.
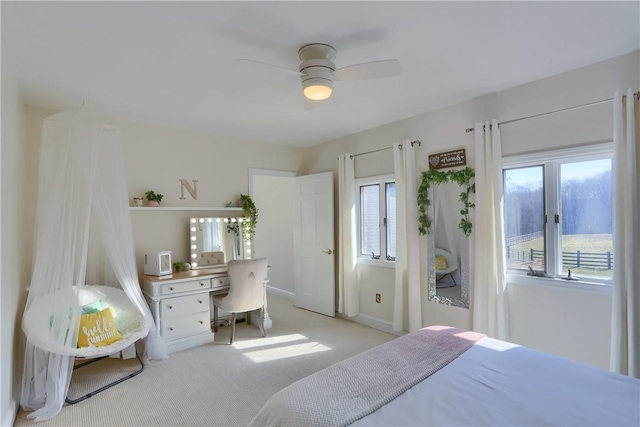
[251, 62]
[369, 70]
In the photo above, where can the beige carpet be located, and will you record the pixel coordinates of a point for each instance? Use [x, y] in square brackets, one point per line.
[217, 384]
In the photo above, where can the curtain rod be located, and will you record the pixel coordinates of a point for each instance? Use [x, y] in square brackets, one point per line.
[636, 94]
[383, 149]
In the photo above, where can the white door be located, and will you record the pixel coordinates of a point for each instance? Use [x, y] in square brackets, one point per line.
[313, 249]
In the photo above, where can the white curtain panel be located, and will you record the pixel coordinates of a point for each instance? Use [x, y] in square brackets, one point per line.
[408, 296]
[81, 174]
[625, 324]
[490, 310]
[348, 289]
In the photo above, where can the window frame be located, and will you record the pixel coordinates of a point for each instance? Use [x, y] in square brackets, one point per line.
[551, 161]
[381, 181]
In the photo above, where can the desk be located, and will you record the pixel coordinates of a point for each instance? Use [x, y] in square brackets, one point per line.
[181, 306]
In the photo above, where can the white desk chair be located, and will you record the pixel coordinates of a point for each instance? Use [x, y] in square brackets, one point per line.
[246, 292]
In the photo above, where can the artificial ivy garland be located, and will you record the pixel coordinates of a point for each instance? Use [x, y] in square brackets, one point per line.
[461, 177]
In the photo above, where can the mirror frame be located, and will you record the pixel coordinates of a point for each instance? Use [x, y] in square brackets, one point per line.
[464, 178]
[226, 222]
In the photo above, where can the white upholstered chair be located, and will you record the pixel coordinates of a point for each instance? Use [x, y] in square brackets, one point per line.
[246, 292]
[449, 269]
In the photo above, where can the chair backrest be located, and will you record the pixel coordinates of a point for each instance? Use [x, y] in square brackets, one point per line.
[246, 285]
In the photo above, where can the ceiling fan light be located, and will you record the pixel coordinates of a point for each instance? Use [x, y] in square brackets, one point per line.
[317, 89]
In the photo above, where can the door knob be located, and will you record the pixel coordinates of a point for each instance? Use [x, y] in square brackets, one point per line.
[327, 251]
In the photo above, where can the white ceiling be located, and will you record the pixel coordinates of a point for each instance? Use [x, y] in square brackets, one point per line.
[175, 63]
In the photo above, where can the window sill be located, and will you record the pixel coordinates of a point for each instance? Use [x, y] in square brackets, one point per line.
[583, 285]
[376, 262]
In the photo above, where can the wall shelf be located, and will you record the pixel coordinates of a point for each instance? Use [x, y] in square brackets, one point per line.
[185, 208]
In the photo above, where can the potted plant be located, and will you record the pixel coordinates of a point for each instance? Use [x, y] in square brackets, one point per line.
[153, 198]
[250, 216]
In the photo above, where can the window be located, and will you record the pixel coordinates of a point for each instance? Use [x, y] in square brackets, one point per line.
[558, 213]
[377, 217]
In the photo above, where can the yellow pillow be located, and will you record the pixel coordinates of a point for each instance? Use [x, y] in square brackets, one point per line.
[441, 263]
[97, 329]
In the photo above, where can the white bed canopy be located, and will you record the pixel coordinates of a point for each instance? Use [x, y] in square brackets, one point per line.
[82, 181]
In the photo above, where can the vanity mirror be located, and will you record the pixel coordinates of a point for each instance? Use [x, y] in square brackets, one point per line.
[444, 204]
[216, 240]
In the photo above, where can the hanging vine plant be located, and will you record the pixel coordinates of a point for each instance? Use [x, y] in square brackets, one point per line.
[463, 178]
[250, 217]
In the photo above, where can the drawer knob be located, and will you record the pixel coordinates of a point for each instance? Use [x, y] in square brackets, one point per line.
[171, 288]
[171, 329]
[201, 284]
[170, 307]
[201, 322]
[200, 301]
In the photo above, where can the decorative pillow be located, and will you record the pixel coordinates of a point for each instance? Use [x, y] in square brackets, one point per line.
[94, 307]
[97, 329]
[441, 263]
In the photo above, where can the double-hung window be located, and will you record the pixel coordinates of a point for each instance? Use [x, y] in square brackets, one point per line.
[377, 217]
[558, 213]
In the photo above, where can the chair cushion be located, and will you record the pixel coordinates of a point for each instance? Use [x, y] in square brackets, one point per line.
[97, 329]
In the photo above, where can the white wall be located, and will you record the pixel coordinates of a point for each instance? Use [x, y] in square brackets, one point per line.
[273, 194]
[14, 248]
[157, 158]
[541, 317]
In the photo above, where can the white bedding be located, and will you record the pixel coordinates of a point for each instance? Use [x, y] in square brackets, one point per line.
[495, 383]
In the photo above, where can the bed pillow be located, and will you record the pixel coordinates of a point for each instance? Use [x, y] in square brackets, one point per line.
[97, 329]
[441, 263]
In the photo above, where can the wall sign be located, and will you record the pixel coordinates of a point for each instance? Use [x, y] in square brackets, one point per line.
[448, 159]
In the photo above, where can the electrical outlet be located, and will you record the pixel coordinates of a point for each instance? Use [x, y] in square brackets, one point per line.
[378, 298]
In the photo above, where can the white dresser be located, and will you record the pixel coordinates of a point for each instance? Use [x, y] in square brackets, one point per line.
[180, 302]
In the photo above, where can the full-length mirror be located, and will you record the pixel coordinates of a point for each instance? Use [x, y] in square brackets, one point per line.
[448, 249]
[215, 240]
[444, 204]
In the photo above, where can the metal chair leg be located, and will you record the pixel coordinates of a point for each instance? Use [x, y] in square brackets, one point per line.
[111, 384]
[215, 318]
[261, 321]
[233, 327]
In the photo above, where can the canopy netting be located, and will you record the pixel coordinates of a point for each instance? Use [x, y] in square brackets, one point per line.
[82, 185]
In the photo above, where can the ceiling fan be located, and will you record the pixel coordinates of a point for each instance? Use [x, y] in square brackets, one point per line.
[318, 72]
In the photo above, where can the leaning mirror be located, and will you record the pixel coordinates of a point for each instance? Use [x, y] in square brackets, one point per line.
[444, 204]
[215, 240]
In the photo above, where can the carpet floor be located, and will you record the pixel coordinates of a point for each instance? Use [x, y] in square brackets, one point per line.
[216, 384]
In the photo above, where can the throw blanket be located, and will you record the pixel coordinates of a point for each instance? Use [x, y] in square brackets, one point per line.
[351, 389]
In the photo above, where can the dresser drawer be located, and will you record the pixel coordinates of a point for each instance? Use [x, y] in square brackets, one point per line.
[189, 324]
[220, 282]
[191, 285]
[188, 304]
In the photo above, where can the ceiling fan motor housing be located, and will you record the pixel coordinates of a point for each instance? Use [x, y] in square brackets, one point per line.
[317, 66]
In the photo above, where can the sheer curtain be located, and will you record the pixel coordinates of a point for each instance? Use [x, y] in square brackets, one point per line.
[490, 310]
[408, 298]
[625, 322]
[81, 174]
[349, 294]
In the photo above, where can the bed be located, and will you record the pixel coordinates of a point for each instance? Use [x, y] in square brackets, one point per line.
[447, 376]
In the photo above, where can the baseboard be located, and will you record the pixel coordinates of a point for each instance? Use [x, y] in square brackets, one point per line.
[373, 322]
[12, 413]
[280, 292]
